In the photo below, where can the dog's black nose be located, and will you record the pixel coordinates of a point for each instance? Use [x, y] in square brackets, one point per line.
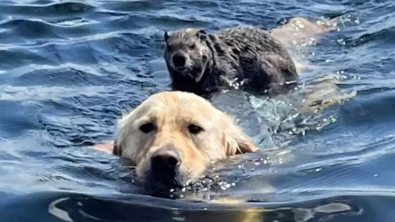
[179, 60]
[165, 159]
[164, 174]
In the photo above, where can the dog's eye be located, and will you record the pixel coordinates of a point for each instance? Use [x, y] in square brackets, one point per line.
[194, 129]
[147, 127]
[192, 46]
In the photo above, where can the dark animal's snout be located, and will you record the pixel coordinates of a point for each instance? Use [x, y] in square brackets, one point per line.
[165, 160]
[179, 60]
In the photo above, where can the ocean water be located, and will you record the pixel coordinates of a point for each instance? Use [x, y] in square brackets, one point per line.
[69, 69]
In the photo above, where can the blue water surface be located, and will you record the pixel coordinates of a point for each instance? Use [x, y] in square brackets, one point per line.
[69, 69]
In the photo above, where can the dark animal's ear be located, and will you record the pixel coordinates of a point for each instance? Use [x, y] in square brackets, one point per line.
[117, 150]
[166, 36]
[202, 34]
[215, 43]
[213, 38]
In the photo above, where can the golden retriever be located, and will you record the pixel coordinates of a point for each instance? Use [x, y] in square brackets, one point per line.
[172, 137]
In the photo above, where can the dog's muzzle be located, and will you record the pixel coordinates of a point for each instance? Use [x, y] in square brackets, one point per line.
[164, 173]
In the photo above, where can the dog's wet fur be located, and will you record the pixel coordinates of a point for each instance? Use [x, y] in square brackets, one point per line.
[173, 136]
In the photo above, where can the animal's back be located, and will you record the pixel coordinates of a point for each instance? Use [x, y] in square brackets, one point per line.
[243, 36]
[260, 54]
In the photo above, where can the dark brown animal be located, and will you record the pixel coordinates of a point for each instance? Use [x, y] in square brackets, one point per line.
[244, 56]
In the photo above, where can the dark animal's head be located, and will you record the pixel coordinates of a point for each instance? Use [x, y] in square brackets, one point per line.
[188, 53]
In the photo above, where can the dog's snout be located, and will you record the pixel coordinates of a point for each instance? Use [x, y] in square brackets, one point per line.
[164, 173]
[165, 159]
[179, 60]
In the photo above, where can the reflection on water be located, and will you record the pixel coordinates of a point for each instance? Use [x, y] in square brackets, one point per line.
[78, 207]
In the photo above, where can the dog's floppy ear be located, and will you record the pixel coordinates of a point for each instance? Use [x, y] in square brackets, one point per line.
[117, 149]
[166, 36]
[236, 142]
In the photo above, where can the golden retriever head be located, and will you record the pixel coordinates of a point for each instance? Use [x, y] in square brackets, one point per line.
[172, 136]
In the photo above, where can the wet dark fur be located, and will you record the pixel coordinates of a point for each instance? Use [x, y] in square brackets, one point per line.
[243, 52]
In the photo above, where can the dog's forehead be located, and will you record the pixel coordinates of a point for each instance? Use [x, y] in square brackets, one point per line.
[178, 106]
[190, 112]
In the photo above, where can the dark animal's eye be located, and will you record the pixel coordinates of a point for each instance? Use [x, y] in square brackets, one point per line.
[192, 128]
[147, 127]
[192, 46]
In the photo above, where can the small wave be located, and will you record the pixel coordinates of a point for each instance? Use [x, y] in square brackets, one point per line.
[69, 7]
[53, 9]
[380, 30]
[176, 21]
[129, 6]
[39, 29]
[30, 28]
[384, 36]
